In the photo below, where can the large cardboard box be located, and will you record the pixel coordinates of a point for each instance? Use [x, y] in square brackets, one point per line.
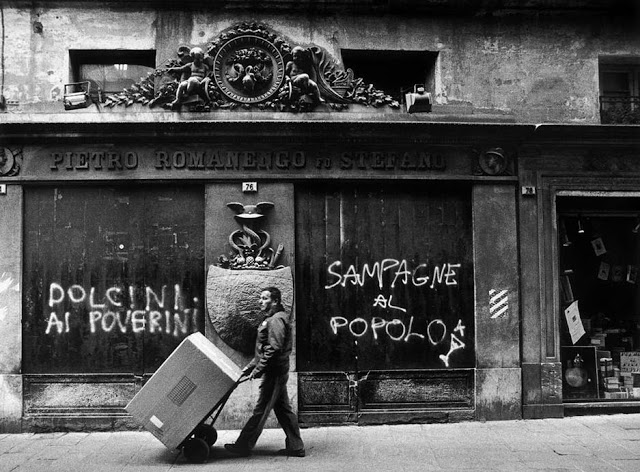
[184, 390]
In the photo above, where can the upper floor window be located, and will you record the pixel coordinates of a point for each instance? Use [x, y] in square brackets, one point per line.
[393, 72]
[110, 71]
[620, 90]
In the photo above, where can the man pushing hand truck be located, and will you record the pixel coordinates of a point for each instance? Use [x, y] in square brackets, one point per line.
[271, 364]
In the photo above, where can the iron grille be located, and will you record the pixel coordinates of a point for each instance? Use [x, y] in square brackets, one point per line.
[620, 110]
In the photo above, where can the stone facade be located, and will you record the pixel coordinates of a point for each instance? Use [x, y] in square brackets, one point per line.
[528, 67]
[514, 122]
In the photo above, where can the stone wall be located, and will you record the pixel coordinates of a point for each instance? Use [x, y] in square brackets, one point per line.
[10, 310]
[531, 68]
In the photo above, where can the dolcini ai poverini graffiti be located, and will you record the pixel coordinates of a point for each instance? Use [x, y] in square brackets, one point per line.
[148, 310]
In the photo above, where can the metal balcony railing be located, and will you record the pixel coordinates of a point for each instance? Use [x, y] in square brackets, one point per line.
[620, 110]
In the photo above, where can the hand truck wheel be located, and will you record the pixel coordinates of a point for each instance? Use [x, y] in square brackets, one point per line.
[196, 450]
[206, 432]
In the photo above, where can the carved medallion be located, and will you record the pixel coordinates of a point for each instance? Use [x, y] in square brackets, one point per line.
[248, 69]
[493, 161]
[10, 162]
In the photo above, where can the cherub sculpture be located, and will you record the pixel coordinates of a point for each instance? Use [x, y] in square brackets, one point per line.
[194, 79]
[301, 74]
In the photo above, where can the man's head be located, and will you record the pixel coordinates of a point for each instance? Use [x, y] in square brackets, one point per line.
[269, 297]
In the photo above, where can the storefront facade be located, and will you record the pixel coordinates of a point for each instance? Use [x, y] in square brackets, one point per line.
[386, 261]
[577, 230]
[419, 252]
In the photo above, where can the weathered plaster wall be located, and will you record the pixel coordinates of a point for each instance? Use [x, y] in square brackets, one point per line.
[10, 309]
[532, 68]
[37, 63]
[497, 293]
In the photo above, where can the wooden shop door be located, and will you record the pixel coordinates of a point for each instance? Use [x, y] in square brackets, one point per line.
[113, 281]
[384, 300]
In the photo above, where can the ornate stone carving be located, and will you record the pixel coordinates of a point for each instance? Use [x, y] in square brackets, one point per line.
[194, 78]
[493, 162]
[10, 162]
[232, 303]
[248, 66]
[248, 69]
[251, 246]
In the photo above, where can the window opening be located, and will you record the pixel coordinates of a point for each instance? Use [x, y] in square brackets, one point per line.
[110, 71]
[619, 90]
[393, 72]
[599, 247]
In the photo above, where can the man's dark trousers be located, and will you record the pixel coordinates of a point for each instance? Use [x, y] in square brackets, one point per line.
[273, 396]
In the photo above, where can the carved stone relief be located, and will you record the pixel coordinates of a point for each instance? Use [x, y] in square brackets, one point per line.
[10, 162]
[251, 66]
[234, 284]
[251, 246]
[494, 161]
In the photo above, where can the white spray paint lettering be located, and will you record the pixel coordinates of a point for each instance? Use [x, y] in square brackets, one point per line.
[420, 276]
[108, 314]
[434, 331]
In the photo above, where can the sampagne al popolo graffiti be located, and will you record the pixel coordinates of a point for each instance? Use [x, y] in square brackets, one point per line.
[388, 274]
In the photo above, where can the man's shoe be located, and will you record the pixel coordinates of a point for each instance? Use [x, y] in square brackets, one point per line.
[237, 450]
[292, 453]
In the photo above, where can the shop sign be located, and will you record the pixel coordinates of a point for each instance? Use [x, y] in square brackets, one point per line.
[244, 160]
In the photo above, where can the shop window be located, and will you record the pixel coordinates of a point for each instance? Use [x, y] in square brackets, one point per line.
[600, 298]
[620, 91]
[394, 72]
[110, 71]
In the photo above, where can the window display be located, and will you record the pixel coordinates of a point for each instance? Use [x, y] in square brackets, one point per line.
[599, 247]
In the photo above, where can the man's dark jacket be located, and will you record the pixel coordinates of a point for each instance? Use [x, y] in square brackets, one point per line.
[273, 344]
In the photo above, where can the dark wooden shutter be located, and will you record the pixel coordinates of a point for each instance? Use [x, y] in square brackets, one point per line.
[422, 226]
[135, 243]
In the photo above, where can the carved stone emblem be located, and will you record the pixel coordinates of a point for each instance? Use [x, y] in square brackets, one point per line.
[232, 295]
[493, 162]
[248, 69]
[249, 66]
[251, 246]
[10, 162]
[233, 309]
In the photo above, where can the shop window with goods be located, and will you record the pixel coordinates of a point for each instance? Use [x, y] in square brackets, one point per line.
[599, 251]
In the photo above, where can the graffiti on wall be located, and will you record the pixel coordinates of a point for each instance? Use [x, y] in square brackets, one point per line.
[399, 270]
[127, 310]
[388, 274]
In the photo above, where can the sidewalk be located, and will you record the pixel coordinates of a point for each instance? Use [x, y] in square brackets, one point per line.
[586, 443]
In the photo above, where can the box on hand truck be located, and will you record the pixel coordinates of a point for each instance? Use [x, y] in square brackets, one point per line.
[176, 402]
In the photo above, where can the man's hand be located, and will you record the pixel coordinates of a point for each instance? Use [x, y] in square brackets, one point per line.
[255, 375]
[247, 370]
